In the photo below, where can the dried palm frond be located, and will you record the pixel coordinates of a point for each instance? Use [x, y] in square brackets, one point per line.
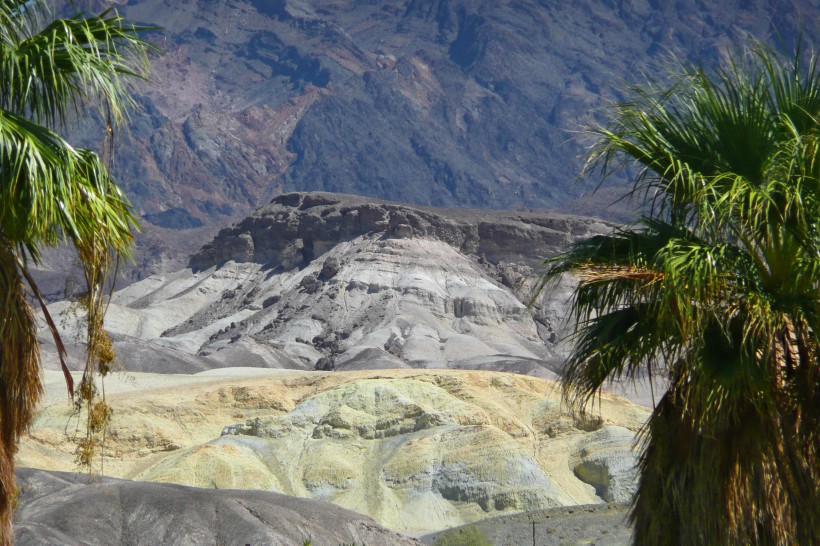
[20, 384]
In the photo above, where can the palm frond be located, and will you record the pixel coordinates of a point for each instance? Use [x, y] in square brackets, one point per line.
[50, 190]
[720, 286]
[51, 73]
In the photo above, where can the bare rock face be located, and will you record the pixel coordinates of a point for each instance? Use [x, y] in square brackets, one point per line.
[322, 281]
[416, 450]
[297, 228]
[71, 509]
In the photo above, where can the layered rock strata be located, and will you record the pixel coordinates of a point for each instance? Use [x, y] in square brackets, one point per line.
[337, 282]
[416, 450]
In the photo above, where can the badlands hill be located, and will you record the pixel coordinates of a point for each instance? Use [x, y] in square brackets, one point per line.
[416, 450]
[334, 282]
[356, 351]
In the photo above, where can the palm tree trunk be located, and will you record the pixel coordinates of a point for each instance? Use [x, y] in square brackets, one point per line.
[20, 382]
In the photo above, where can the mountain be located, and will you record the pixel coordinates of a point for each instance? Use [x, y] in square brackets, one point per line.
[467, 103]
[336, 282]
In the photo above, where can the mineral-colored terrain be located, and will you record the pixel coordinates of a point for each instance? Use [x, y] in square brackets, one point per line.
[416, 450]
[356, 351]
[346, 349]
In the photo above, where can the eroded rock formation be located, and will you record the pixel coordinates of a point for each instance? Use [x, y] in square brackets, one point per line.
[338, 282]
[417, 450]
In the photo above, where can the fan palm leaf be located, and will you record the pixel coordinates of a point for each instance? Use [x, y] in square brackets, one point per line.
[718, 291]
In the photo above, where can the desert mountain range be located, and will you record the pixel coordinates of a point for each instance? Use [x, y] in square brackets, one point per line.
[352, 369]
[457, 103]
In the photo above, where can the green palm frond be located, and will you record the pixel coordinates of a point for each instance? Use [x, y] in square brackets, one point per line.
[719, 288]
[50, 73]
[49, 189]
[619, 344]
[18, 18]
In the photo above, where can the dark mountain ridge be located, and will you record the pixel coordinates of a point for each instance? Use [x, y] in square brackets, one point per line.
[296, 228]
[458, 103]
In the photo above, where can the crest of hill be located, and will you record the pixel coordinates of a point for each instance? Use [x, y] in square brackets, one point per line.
[329, 281]
[297, 228]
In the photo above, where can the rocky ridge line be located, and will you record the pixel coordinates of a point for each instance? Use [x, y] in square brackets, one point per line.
[297, 228]
[331, 281]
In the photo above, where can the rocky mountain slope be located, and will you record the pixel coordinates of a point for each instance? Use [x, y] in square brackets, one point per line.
[417, 450]
[336, 282]
[444, 102]
[360, 306]
[71, 509]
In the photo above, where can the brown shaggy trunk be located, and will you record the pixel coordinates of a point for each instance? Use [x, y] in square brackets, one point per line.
[7, 490]
[745, 483]
[20, 383]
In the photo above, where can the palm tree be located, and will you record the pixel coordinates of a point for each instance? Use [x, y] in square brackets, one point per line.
[50, 191]
[717, 290]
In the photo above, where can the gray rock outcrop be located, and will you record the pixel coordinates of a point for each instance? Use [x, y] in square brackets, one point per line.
[297, 228]
[335, 282]
[69, 509]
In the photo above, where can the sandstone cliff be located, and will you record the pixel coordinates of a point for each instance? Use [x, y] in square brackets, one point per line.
[299, 227]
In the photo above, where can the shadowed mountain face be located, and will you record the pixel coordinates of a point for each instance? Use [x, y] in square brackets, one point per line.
[468, 103]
